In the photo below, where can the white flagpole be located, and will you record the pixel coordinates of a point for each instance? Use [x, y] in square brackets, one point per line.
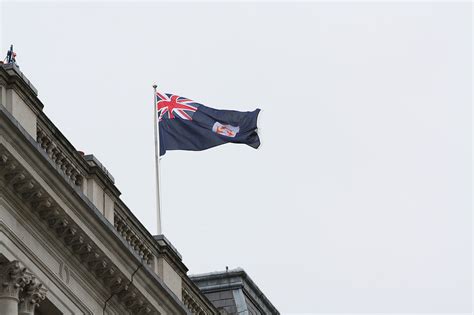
[157, 163]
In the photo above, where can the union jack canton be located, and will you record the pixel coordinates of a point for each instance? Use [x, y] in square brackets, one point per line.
[170, 105]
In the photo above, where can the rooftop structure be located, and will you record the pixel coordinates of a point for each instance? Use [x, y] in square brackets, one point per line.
[234, 292]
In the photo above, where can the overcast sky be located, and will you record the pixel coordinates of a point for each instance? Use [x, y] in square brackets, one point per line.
[359, 199]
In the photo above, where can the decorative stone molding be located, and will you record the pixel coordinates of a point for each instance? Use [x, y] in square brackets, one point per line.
[54, 152]
[14, 278]
[133, 239]
[192, 302]
[31, 296]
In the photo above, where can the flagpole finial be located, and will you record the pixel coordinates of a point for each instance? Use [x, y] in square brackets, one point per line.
[155, 86]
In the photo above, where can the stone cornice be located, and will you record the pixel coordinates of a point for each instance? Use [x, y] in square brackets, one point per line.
[59, 221]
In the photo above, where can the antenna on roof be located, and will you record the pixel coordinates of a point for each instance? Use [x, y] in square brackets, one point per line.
[11, 56]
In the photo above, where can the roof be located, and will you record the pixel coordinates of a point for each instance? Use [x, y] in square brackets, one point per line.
[234, 279]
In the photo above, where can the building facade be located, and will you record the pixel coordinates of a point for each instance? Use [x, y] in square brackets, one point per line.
[68, 243]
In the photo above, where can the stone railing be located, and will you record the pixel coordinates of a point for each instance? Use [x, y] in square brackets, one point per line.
[65, 162]
[57, 154]
[192, 301]
[133, 238]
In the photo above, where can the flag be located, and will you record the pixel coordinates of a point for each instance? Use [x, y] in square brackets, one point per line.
[187, 125]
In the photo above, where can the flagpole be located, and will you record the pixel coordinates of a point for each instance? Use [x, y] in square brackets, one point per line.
[157, 163]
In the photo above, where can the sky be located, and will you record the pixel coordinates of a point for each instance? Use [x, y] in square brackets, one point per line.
[359, 199]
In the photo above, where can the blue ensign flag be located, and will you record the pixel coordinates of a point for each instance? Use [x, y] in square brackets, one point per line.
[187, 125]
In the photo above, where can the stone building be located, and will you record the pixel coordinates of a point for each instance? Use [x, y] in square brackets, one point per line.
[234, 292]
[68, 243]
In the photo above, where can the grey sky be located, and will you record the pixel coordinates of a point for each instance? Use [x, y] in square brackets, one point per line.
[359, 199]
